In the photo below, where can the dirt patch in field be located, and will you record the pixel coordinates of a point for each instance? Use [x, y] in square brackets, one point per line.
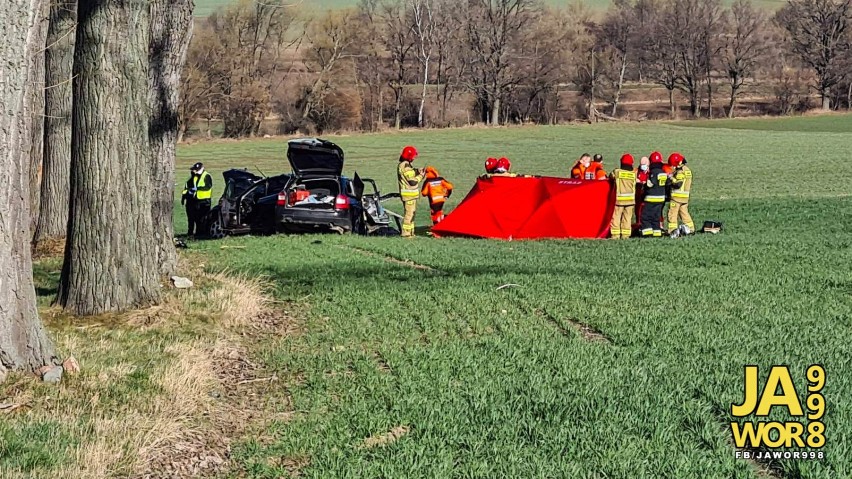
[586, 331]
[385, 438]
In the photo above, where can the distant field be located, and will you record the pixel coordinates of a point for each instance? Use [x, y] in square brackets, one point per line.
[825, 123]
[205, 7]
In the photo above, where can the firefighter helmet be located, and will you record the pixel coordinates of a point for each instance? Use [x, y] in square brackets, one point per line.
[656, 157]
[490, 165]
[675, 159]
[504, 164]
[627, 159]
[409, 153]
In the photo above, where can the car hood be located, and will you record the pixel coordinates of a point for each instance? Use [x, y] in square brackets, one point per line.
[315, 157]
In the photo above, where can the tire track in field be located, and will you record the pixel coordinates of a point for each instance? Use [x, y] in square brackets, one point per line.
[764, 468]
[391, 259]
[565, 326]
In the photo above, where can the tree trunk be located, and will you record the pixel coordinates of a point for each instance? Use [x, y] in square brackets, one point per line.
[36, 116]
[672, 109]
[732, 102]
[59, 62]
[171, 29]
[110, 254]
[826, 99]
[23, 341]
[397, 109]
[495, 111]
[423, 94]
[620, 85]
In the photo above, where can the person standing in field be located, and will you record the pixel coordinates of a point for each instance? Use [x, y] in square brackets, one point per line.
[624, 178]
[655, 197]
[641, 187]
[409, 179]
[578, 171]
[196, 196]
[437, 190]
[596, 169]
[680, 180]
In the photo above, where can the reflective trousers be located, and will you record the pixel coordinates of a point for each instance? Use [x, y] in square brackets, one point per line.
[622, 217]
[680, 211]
[409, 207]
[651, 214]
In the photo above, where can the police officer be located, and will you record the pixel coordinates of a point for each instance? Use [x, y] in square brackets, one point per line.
[196, 196]
[624, 178]
[655, 197]
[681, 183]
[409, 179]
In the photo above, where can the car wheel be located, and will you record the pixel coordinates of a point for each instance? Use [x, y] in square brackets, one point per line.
[215, 230]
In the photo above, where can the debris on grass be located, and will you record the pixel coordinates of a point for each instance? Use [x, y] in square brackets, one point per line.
[385, 438]
[181, 283]
[509, 285]
[71, 365]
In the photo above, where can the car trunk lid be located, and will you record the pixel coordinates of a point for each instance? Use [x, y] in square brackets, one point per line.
[312, 157]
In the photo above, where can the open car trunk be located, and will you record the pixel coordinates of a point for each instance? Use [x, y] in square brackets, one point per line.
[313, 193]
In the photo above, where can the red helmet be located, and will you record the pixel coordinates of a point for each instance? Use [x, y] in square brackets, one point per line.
[490, 165]
[675, 159]
[409, 153]
[627, 159]
[656, 157]
[504, 164]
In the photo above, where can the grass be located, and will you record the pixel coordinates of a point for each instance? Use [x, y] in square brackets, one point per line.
[500, 383]
[397, 371]
[833, 123]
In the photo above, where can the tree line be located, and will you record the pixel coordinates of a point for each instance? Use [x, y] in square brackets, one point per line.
[413, 62]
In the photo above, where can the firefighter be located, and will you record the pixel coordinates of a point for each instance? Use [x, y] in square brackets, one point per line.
[624, 178]
[596, 170]
[504, 167]
[655, 197]
[490, 166]
[437, 190]
[578, 171]
[409, 188]
[680, 180]
[196, 196]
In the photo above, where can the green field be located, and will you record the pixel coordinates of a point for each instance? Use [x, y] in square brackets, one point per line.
[501, 383]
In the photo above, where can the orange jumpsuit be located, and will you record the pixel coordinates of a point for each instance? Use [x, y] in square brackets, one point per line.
[578, 171]
[437, 190]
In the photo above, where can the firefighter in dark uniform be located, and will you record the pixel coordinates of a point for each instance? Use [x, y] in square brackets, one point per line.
[196, 196]
[655, 198]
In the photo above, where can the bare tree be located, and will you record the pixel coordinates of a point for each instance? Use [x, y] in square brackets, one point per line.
[662, 47]
[110, 253]
[171, 29]
[329, 40]
[818, 34]
[451, 64]
[399, 42]
[423, 26]
[618, 32]
[493, 29]
[59, 60]
[745, 46]
[694, 24]
[24, 344]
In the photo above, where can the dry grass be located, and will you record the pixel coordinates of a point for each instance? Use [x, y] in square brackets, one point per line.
[173, 420]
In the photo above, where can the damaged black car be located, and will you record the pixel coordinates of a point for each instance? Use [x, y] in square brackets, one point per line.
[315, 197]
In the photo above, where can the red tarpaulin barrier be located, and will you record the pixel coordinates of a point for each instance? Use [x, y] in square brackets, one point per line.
[514, 208]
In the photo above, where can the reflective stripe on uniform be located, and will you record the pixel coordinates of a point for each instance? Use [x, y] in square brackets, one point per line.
[680, 194]
[658, 233]
[626, 197]
[655, 198]
[647, 232]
